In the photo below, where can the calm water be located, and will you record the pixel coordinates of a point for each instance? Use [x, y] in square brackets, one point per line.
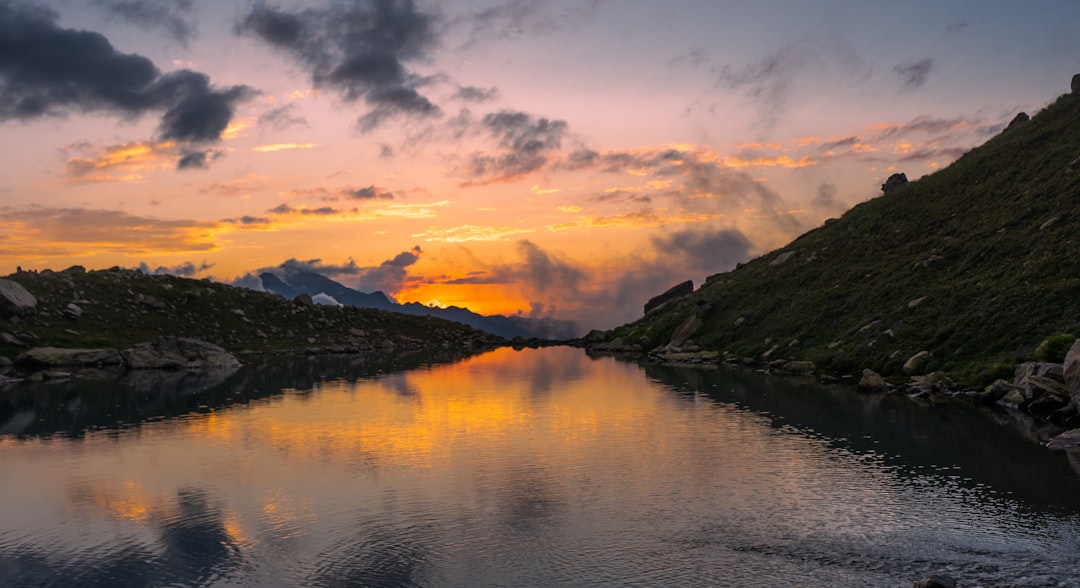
[518, 468]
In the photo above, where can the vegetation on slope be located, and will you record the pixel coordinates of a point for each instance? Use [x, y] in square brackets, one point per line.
[977, 263]
[119, 308]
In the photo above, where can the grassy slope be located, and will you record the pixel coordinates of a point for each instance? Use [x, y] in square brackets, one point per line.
[1003, 281]
[116, 318]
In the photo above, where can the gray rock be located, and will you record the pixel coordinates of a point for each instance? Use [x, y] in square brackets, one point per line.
[303, 300]
[676, 291]
[1014, 399]
[176, 353]
[1076, 85]
[5, 364]
[1071, 373]
[895, 182]
[782, 258]
[1020, 119]
[997, 390]
[937, 581]
[916, 364]
[872, 381]
[799, 367]
[15, 300]
[10, 339]
[1034, 379]
[73, 311]
[1066, 440]
[60, 357]
[686, 330]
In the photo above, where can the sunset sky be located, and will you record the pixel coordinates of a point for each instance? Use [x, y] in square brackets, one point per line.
[552, 158]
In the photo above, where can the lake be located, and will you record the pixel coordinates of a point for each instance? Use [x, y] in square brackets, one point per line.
[518, 468]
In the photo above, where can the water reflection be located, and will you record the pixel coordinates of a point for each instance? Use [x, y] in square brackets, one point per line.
[534, 467]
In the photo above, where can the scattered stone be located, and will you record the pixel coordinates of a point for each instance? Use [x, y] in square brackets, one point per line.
[150, 301]
[739, 321]
[676, 291]
[5, 364]
[1049, 223]
[799, 367]
[58, 357]
[1066, 440]
[237, 311]
[916, 302]
[1014, 399]
[173, 353]
[303, 300]
[56, 375]
[916, 364]
[872, 381]
[1018, 120]
[10, 339]
[73, 311]
[15, 300]
[260, 334]
[769, 353]
[687, 329]
[997, 390]
[936, 581]
[895, 182]
[360, 332]
[782, 258]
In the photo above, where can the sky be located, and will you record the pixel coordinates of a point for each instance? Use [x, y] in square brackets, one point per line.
[560, 159]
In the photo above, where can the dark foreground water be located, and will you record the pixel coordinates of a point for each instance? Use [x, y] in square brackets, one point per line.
[518, 468]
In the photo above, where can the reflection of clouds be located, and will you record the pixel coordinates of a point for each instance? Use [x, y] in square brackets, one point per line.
[375, 554]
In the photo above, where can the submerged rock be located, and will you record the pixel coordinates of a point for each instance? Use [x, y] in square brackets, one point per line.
[1066, 440]
[937, 581]
[175, 353]
[872, 381]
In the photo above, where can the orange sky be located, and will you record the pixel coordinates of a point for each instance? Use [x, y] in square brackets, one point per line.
[549, 158]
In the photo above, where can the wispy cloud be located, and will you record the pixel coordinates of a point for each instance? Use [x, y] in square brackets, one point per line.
[913, 74]
[172, 16]
[466, 233]
[275, 147]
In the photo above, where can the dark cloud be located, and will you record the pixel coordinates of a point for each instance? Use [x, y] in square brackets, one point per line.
[474, 94]
[317, 266]
[826, 199]
[172, 16]
[322, 211]
[198, 159]
[773, 81]
[46, 70]
[369, 193]
[957, 26]
[358, 49]
[248, 221]
[527, 144]
[913, 74]
[386, 151]
[388, 277]
[929, 125]
[282, 117]
[184, 270]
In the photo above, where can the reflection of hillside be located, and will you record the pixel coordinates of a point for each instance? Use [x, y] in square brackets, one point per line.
[919, 439]
[74, 407]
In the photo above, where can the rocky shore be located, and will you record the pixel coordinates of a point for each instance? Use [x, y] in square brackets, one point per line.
[1044, 396]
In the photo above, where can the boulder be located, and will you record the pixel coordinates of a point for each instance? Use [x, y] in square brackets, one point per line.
[15, 300]
[799, 367]
[73, 311]
[1071, 373]
[895, 181]
[175, 353]
[1066, 440]
[5, 364]
[916, 364]
[303, 300]
[937, 581]
[997, 390]
[1018, 120]
[676, 291]
[9, 339]
[1035, 379]
[872, 381]
[688, 329]
[1076, 85]
[57, 357]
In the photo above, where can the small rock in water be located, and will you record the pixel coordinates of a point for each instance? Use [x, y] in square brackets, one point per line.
[937, 581]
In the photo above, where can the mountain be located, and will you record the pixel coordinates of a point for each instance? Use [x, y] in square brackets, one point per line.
[976, 265]
[118, 308]
[295, 282]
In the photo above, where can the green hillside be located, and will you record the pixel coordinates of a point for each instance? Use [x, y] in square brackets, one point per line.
[977, 264]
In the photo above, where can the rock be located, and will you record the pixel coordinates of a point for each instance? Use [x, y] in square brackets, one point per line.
[676, 291]
[1035, 379]
[937, 581]
[303, 300]
[73, 311]
[5, 364]
[1014, 399]
[997, 390]
[916, 302]
[686, 330]
[739, 321]
[1053, 221]
[360, 332]
[895, 182]
[57, 357]
[1018, 120]
[1066, 440]
[783, 257]
[1076, 85]
[1070, 372]
[9, 339]
[15, 300]
[799, 367]
[872, 381]
[174, 353]
[151, 302]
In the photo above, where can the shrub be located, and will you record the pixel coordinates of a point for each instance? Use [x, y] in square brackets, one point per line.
[1054, 348]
